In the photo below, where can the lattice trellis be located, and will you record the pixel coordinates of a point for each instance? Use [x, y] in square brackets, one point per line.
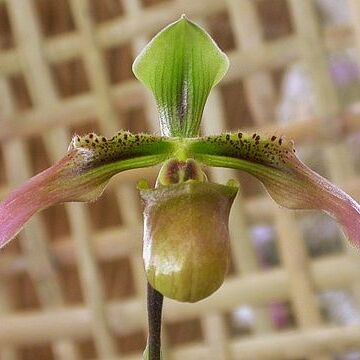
[72, 286]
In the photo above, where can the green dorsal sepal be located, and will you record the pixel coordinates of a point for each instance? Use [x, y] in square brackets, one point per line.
[180, 66]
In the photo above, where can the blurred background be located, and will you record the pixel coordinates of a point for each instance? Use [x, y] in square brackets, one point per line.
[72, 285]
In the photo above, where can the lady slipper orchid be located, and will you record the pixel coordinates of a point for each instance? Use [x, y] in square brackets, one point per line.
[186, 247]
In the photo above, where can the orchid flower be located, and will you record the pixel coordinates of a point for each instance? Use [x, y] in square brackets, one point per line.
[186, 238]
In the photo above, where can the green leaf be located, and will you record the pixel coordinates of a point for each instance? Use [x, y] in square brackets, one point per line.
[288, 180]
[180, 66]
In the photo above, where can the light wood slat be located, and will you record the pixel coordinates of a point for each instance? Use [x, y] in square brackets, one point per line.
[4, 190]
[34, 242]
[94, 65]
[341, 169]
[107, 118]
[354, 7]
[34, 246]
[313, 55]
[216, 337]
[91, 281]
[66, 47]
[149, 21]
[285, 346]
[326, 105]
[154, 19]
[29, 48]
[43, 94]
[259, 87]
[260, 288]
[134, 8]
[274, 55]
[7, 352]
[74, 111]
[296, 262]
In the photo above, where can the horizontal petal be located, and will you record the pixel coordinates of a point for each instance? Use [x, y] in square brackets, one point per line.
[81, 175]
[289, 181]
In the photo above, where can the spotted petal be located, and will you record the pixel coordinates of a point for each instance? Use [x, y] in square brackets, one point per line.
[289, 181]
[81, 175]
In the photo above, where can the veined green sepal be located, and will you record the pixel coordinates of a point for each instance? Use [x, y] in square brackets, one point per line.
[180, 66]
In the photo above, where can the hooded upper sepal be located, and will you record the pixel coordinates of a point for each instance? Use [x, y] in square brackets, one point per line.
[81, 175]
[287, 179]
[180, 66]
[186, 237]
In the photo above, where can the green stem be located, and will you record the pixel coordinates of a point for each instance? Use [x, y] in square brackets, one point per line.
[154, 306]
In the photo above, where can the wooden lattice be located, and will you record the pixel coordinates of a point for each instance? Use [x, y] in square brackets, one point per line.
[72, 285]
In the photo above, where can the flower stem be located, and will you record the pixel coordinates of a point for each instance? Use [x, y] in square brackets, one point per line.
[154, 306]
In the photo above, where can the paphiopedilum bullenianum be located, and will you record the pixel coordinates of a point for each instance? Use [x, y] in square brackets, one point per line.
[186, 240]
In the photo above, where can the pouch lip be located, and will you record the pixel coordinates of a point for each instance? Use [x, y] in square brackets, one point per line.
[190, 187]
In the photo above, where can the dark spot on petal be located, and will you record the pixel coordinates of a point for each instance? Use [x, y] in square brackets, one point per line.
[273, 138]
